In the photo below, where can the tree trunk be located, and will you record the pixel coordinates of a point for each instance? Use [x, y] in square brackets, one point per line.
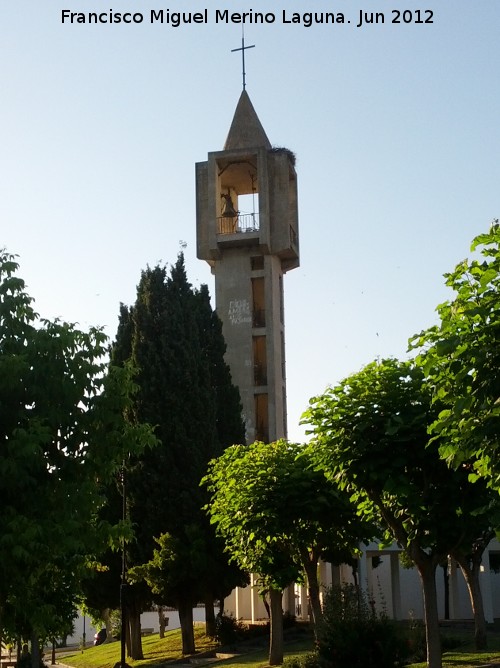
[263, 594]
[276, 627]
[125, 636]
[311, 568]
[35, 650]
[187, 631]
[107, 623]
[426, 567]
[162, 620]
[134, 624]
[210, 628]
[471, 576]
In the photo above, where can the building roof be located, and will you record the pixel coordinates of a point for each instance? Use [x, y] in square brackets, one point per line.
[246, 130]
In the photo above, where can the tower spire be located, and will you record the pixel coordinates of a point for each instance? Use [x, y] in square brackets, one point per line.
[243, 48]
[246, 129]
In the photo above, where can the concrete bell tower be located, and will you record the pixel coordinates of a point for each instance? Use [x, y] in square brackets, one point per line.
[247, 230]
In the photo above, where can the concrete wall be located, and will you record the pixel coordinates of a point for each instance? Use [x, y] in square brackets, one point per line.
[394, 589]
[148, 620]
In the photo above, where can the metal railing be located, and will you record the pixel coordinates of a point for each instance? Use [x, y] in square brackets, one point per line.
[242, 223]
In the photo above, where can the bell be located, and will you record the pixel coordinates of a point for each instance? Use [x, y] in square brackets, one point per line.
[228, 210]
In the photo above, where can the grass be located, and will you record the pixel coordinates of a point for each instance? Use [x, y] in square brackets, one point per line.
[259, 658]
[156, 651]
[466, 657]
[465, 660]
[159, 651]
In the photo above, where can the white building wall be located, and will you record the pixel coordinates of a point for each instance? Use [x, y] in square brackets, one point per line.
[397, 590]
[495, 594]
[149, 620]
[382, 583]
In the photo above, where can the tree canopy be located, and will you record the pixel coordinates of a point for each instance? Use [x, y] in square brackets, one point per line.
[63, 435]
[278, 515]
[461, 355]
[370, 433]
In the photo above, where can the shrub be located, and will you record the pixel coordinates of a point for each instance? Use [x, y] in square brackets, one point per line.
[309, 660]
[451, 642]
[416, 639]
[353, 634]
[417, 645]
[229, 630]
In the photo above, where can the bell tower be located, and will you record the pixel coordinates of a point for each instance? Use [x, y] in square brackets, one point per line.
[247, 230]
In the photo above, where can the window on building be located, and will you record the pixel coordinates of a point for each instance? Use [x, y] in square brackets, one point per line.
[258, 303]
[259, 360]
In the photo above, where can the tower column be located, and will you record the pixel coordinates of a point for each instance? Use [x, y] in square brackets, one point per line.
[247, 230]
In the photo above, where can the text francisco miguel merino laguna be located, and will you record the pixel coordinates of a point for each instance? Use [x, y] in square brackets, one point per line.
[176, 19]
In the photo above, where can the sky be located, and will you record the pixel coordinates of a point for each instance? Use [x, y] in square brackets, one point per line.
[395, 127]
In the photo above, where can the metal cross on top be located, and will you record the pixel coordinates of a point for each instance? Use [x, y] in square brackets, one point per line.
[243, 48]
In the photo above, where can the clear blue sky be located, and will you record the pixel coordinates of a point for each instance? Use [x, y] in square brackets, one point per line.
[395, 127]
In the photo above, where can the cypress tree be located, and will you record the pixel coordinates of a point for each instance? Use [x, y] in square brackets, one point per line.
[174, 340]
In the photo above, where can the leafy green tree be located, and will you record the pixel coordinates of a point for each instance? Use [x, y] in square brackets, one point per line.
[175, 573]
[62, 436]
[239, 507]
[278, 515]
[469, 562]
[478, 519]
[461, 355]
[370, 433]
[100, 584]
[174, 339]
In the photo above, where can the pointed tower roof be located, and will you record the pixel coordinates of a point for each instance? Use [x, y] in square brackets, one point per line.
[246, 130]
